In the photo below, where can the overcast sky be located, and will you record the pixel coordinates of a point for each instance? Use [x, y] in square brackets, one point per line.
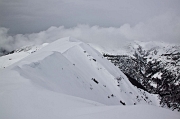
[115, 19]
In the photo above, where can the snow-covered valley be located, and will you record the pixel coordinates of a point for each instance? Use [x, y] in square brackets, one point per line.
[69, 79]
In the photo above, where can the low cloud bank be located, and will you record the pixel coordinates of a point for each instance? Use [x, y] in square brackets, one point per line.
[165, 28]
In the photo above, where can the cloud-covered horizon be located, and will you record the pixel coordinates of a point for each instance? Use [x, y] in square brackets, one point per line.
[165, 28]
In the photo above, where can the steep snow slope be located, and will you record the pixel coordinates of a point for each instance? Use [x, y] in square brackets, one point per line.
[69, 79]
[153, 64]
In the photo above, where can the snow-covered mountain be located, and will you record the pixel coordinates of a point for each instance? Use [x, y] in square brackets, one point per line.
[155, 65]
[70, 79]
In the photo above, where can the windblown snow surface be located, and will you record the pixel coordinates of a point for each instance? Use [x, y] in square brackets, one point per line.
[68, 79]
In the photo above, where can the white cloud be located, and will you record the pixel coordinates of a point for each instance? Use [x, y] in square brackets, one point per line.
[164, 28]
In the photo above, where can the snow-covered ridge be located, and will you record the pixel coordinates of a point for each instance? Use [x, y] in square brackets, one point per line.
[69, 79]
[76, 60]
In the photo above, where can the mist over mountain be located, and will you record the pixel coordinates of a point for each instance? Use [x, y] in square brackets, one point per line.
[160, 28]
